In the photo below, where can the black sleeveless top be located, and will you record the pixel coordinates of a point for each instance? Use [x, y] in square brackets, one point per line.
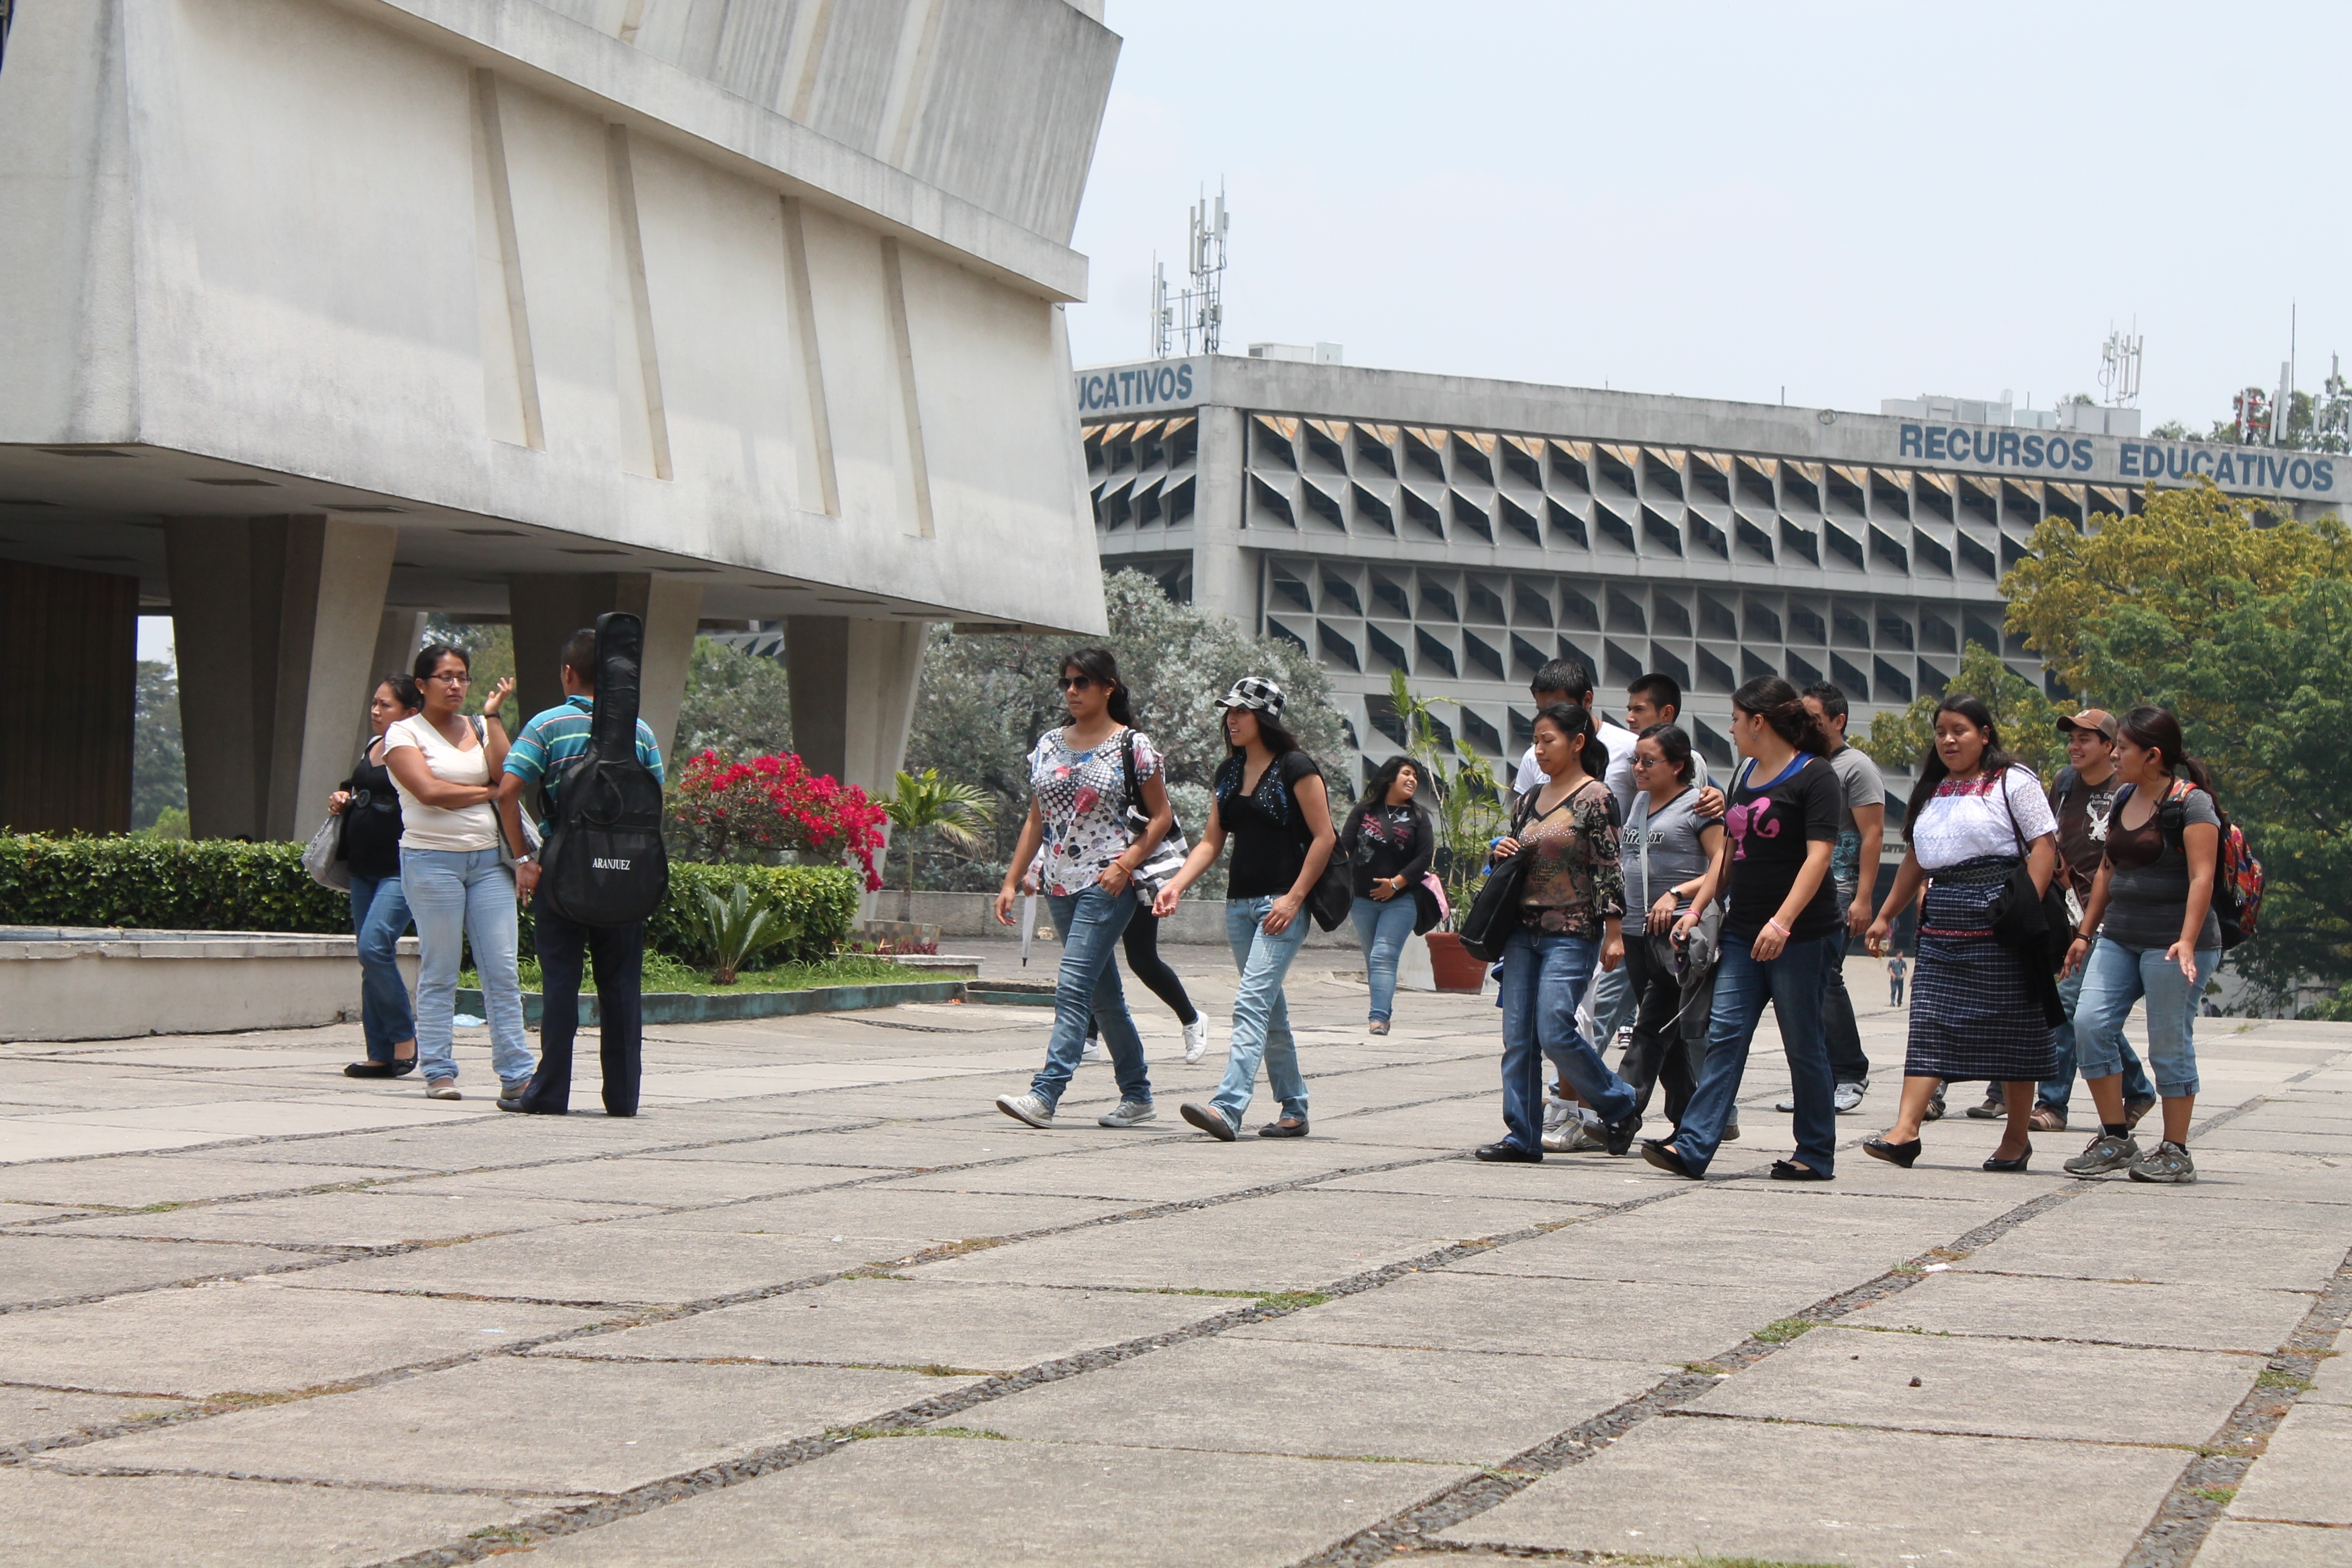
[370, 843]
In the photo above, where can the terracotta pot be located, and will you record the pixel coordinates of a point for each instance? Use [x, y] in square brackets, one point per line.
[1456, 970]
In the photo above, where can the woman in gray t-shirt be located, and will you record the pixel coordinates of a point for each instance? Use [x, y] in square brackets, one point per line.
[2150, 932]
[1665, 850]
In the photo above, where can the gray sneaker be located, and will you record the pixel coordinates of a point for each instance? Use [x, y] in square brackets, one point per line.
[2104, 1155]
[1575, 1138]
[2168, 1162]
[1848, 1096]
[1128, 1113]
[1026, 1107]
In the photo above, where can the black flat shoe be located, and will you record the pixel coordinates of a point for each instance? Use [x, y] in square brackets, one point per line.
[398, 1067]
[1618, 1136]
[1666, 1159]
[1507, 1154]
[1997, 1164]
[1284, 1129]
[1893, 1153]
[1790, 1170]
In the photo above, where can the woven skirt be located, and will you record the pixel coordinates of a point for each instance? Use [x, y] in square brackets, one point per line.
[1974, 1010]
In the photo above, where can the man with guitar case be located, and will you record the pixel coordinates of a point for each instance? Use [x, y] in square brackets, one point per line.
[602, 868]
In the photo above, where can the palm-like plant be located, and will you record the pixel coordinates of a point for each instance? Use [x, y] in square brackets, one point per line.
[928, 803]
[737, 931]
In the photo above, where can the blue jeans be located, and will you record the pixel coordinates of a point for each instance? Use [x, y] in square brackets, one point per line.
[1849, 1063]
[456, 897]
[1383, 928]
[2116, 977]
[1086, 988]
[2059, 1088]
[1613, 1004]
[378, 918]
[1261, 1015]
[1793, 982]
[1543, 981]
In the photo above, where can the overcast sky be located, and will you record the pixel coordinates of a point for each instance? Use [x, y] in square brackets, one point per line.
[1855, 202]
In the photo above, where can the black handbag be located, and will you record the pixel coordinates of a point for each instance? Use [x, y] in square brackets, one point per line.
[2034, 920]
[604, 865]
[1495, 912]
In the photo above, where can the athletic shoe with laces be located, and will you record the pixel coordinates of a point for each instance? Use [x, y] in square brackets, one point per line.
[1558, 1113]
[1994, 1109]
[2104, 1155]
[1127, 1113]
[1848, 1098]
[2168, 1162]
[1196, 1038]
[1095, 1052]
[1026, 1107]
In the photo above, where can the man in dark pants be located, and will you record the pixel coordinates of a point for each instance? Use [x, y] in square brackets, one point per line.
[548, 745]
[1854, 869]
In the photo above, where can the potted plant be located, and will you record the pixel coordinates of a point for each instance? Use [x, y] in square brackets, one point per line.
[1469, 817]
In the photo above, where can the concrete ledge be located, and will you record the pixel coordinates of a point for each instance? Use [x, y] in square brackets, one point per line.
[1200, 920]
[695, 1007]
[67, 982]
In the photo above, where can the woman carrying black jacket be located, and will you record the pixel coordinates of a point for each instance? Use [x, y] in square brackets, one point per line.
[370, 808]
[1389, 844]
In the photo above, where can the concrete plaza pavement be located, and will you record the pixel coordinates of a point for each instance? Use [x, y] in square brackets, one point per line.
[253, 1312]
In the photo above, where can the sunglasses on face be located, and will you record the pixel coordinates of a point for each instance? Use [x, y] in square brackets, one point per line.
[1075, 683]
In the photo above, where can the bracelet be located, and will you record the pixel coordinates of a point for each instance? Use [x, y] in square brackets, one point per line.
[1774, 921]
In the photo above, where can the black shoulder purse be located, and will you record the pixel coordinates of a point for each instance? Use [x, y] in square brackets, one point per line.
[1494, 913]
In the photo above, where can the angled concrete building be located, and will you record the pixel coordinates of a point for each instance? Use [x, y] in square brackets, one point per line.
[324, 313]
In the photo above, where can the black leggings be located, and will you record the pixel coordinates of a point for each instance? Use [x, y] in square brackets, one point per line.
[1143, 960]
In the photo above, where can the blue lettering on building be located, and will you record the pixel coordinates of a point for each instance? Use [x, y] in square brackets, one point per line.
[1152, 386]
[2143, 460]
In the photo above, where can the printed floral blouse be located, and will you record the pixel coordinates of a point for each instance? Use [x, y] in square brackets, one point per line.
[1575, 881]
[1082, 802]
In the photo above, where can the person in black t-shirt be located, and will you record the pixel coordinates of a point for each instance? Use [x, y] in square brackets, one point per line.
[1270, 797]
[1774, 862]
[370, 808]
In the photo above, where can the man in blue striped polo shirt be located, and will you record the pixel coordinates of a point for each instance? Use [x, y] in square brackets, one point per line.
[548, 745]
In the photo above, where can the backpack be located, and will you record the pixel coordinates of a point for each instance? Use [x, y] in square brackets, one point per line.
[603, 864]
[2237, 874]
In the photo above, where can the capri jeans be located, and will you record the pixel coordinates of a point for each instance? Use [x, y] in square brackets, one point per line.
[1383, 927]
[2114, 977]
[459, 896]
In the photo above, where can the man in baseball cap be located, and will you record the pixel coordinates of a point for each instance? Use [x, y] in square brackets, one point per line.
[2097, 720]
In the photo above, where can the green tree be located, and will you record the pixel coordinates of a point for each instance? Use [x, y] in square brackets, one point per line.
[737, 704]
[926, 803]
[2028, 720]
[159, 763]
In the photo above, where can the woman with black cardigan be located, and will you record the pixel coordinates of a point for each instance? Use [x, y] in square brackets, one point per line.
[1389, 844]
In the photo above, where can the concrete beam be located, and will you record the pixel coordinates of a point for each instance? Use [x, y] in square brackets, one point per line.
[852, 695]
[546, 609]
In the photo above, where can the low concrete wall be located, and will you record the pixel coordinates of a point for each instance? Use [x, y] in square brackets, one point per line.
[79, 983]
[970, 915]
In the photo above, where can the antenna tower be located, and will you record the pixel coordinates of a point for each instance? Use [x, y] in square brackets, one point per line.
[1197, 315]
[2119, 367]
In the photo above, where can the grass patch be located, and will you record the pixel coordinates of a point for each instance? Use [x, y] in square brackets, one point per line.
[1292, 1301]
[504, 1534]
[2282, 1381]
[664, 973]
[1780, 1330]
[2222, 1495]
[875, 1274]
[859, 1433]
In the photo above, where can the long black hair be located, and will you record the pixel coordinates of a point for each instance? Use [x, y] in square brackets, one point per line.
[1774, 701]
[2154, 729]
[1376, 793]
[1932, 771]
[429, 658]
[1098, 665]
[1574, 719]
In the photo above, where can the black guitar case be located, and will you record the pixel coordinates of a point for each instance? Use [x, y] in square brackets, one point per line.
[604, 863]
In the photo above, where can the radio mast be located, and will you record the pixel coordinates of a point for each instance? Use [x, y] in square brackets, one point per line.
[2119, 366]
[1198, 313]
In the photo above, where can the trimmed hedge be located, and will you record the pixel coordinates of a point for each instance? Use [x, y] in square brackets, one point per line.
[162, 884]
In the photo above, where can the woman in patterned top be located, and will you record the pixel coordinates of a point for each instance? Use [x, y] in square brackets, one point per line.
[1571, 912]
[1388, 844]
[1077, 812]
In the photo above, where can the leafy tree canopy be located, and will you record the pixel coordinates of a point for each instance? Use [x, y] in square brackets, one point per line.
[737, 704]
[2026, 719]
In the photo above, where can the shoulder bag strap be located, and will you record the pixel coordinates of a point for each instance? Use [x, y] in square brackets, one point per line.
[2015, 827]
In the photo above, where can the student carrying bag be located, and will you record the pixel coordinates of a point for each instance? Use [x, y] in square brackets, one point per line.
[604, 863]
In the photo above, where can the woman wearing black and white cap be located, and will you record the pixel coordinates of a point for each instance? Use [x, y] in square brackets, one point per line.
[1270, 798]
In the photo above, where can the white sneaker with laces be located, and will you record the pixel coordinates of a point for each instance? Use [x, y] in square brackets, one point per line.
[1026, 1107]
[1095, 1051]
[1848, 1096]
[1196, 1038]
[1558, 1113]
[1128, 1113]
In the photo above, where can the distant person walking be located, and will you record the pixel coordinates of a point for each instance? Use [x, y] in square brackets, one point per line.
[1268, 796]
[1388, 843]
[2149, 933]
[1894, 980]
[1983, 1008]
[369, 805]
[550, 743]
[458, 889]
[1665, 852]
[1077, 814]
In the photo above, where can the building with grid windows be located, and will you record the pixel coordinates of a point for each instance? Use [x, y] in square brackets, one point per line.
[1464, 531]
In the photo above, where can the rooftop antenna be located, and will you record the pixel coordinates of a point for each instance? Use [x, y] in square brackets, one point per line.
[2119, 366]
[1199, 312]
[1163, 318]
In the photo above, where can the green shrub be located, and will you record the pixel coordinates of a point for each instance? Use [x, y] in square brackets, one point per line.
[219, 885]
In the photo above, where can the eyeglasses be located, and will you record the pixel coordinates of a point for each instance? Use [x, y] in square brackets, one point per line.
[454, 677]
[1649, 761]
[1075, 683]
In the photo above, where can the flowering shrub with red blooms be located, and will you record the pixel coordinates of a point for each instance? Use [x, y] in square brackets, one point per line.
[727, 810]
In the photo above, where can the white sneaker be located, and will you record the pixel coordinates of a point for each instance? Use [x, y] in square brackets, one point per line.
[1026, 1107]
[1095, 1051]
[1558, 1113]
[1196, 1038]
[1575, 1139]
[1127, 1113]
[1848, 1096]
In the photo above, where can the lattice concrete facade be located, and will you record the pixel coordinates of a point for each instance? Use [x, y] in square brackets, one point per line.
[1464, 531]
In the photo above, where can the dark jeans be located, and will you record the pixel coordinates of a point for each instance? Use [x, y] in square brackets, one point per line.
[1792, 982]
[1543, 981]
[1848, 1064]
[619, 954]
[1663, 1050]
[1141, 944]
[379, 917]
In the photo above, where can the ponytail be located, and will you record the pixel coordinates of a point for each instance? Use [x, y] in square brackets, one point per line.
[1774, 701]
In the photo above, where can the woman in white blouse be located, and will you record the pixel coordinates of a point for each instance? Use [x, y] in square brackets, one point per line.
[445, 766]
[1979, 1009]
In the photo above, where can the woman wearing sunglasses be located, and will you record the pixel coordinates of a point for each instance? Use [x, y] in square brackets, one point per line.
[1077, 814]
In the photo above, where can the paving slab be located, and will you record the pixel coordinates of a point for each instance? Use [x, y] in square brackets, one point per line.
[2301, 1476]
[1507, 1315]
[915, 1320]
[482, 1142]
[2182, 1317]
[624, 1261]
[881, 1213]
[2176, 1243]
[45, 1267]
[125, 1522]
[1284, 1241]
[638, 1178]
[623, 1424]
[252, 1337]
[2332, 1384]
[914, 1502]
[29, 1413]
[1931, 1383]
[262, 1118]
[1795, 1494]
[351, 1219]
[2262, 1176]
[904, 1145]
[2237, 1543]
[135, 1181]
[1163, 1172]
[1565, 1180]
[1314, 1398]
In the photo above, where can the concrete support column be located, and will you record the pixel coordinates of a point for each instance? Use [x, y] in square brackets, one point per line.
[852, 695]
[398, 636]
[67, 697]
[276, 621]
[546, 609]
[1224, 575]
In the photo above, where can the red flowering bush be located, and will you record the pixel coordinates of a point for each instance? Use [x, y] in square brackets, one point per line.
[721, 810]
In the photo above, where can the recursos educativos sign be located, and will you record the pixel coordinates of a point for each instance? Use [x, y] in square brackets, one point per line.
[2121, 459]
